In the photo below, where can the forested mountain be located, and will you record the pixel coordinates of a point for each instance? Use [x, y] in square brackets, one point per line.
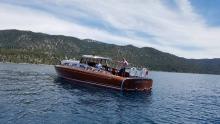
[29, 47]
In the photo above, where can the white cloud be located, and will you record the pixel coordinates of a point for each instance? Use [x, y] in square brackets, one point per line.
[13, 17]
[181, 31]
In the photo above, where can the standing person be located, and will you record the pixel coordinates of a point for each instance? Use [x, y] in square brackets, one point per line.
[124, 64]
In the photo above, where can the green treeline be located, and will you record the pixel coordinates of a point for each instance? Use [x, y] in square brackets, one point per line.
[29, 47]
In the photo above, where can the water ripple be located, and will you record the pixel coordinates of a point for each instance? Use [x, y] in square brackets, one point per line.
[33, 94]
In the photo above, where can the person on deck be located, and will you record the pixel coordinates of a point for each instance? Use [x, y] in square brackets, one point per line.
[99, 66]
[124, 64]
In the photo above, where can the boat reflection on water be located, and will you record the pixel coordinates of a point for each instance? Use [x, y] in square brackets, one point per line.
[86, 72]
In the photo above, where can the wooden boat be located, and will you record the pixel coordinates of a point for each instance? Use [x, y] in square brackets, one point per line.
[84, 71]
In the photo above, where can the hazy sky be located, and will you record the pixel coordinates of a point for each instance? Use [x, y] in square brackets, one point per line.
[186, 28]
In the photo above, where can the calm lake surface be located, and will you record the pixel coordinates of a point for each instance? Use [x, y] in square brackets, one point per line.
[32, 94]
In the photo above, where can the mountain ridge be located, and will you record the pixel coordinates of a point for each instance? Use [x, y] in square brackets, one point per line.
[36, 47]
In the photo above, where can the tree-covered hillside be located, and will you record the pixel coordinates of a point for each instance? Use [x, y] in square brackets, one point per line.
[29, 47]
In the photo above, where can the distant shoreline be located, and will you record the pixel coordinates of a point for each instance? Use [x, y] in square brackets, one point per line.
[23, 63]
[150, 70]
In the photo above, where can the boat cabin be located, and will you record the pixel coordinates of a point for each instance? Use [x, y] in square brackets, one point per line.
[103, 64]
[94, 60]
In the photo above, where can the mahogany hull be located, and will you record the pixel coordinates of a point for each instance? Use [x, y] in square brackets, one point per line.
[104, 79]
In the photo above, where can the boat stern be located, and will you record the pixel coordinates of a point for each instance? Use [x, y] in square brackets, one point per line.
[136, 84]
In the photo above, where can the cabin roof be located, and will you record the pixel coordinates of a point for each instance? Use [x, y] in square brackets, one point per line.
[96, 57]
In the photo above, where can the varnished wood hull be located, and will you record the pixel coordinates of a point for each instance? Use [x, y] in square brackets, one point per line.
[103, 79]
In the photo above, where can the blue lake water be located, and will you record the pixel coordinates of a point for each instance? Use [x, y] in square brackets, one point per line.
[32, 94]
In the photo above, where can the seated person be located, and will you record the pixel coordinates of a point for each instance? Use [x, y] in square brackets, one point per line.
[99, 66]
